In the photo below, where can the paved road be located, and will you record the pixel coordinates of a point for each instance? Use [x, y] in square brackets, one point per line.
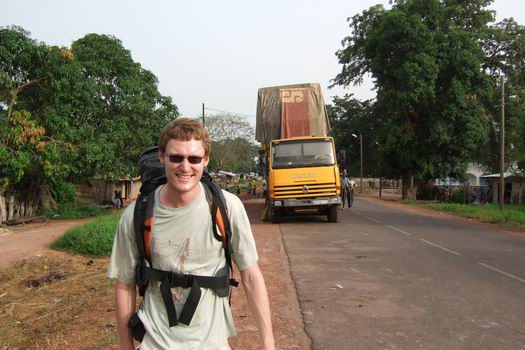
[388, 278]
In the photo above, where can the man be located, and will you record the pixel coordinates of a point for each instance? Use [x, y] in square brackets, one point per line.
[254, 188]
[342, 180]
[264, 187]
[182, 241]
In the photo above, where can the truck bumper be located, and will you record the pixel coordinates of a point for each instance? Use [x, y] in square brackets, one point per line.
[306, 202]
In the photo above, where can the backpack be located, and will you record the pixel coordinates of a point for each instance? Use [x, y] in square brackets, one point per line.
[152, 175]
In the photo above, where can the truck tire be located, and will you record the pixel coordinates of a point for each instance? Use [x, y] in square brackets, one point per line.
[276, 216]
[332, 214]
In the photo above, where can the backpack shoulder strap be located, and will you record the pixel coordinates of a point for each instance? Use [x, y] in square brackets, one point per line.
[143, 226]
[219, 217]
[139, 217]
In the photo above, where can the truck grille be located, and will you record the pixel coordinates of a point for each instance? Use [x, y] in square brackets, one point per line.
[298, 191]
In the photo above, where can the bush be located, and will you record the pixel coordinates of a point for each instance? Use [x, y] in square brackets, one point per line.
[73, 211]
[92, 239]
[62, 192]
[458, 196]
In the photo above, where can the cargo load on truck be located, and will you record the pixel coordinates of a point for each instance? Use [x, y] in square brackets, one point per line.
[298, 156]
[290, 111]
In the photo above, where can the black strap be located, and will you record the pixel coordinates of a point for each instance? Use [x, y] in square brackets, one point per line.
[139, 217]
[218, 203]
[173, 279]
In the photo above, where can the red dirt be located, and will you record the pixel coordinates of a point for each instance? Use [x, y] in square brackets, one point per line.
[32, 240]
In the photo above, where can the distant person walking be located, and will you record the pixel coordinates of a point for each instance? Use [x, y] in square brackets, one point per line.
[116, 200]
[254, 188]
[348, 186]
[264, 187]
[342, 182]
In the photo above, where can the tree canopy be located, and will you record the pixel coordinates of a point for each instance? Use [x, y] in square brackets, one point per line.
[78, 113]
[426, 60]
[233, 147]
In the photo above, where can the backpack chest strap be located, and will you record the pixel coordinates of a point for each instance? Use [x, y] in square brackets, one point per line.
[169, 279]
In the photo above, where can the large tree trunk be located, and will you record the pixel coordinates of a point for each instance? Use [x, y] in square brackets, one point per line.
[409, 189]
[22, 203]
[3, 209]
[46, 200]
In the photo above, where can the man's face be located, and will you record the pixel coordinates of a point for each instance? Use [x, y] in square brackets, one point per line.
[183, 169]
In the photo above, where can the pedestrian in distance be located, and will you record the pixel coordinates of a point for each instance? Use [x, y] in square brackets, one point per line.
[343, 192]
[120, 199]
[115, 199]
[249, 187]
[254, 188]
[264, 187]
[183, 247]
[348, 194]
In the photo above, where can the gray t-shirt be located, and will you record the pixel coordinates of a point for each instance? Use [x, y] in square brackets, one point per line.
[183, 241]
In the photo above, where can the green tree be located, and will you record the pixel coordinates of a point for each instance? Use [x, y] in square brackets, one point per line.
[425, 60]
[118, 108]
[348, 117]
[233, 147]
[73, 114]
[29, 154]
[504, 47]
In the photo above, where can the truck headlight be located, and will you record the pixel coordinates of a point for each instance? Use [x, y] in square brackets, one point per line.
[277, 203]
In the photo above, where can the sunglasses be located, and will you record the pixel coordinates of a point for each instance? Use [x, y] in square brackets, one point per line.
[175, 158]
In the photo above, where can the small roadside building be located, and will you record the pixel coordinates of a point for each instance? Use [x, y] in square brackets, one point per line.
[473, 175]
[100, 191]
[514, 191]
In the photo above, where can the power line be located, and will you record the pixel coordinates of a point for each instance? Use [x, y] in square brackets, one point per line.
[241, 114]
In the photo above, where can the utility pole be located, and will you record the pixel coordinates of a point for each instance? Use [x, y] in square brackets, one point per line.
[502, 147]
[203, 115]
[361, 144]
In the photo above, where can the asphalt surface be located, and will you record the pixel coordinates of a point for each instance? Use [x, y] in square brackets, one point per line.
[388, 278]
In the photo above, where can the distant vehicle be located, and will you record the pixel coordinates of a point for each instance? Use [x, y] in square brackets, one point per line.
[299, 157]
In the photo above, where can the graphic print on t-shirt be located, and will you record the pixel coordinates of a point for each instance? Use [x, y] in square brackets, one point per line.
[177, 254]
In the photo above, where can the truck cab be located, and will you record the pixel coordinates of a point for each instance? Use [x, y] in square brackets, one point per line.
[303, 178]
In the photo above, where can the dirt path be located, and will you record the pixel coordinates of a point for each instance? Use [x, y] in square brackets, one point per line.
[29, 240]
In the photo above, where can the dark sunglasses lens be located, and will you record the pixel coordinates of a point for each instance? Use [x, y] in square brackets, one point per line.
[176, 159]
[194, 159]
[179, 159]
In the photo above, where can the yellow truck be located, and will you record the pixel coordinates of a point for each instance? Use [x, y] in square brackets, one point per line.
[299, 158]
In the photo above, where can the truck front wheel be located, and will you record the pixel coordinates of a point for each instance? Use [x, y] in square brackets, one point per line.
[276, 216]
[332, 214]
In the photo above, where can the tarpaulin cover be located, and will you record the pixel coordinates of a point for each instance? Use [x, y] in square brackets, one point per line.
[290, 111]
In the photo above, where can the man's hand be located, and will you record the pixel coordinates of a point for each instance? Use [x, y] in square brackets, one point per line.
[257, 297]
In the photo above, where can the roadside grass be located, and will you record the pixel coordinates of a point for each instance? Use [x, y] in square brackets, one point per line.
[73, 211]
[92, 239]
[513, 215]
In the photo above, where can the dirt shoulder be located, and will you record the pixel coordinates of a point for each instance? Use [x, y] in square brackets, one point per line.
[287, 319]
[76, 309]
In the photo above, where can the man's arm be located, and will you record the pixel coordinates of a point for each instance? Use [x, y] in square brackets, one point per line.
[257, 297]
[125, 307]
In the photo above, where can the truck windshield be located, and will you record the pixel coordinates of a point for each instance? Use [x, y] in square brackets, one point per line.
[296, 154]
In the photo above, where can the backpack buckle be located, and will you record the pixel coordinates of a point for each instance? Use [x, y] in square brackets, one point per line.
[176, 279]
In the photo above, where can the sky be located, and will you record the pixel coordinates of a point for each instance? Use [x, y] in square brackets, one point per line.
[216, 52]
